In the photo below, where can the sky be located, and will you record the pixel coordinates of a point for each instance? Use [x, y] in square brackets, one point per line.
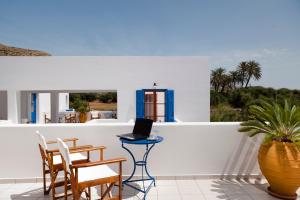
[225, 31]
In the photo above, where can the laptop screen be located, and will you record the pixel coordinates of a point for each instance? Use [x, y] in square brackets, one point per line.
[142, 126]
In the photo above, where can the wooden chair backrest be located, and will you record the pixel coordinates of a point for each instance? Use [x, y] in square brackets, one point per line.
[42, 146]
[67, 164]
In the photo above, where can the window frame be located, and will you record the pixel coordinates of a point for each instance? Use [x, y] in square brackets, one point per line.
[155, 116]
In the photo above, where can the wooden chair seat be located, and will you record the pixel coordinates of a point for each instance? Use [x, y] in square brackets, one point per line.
[75, 157]
[93, 173]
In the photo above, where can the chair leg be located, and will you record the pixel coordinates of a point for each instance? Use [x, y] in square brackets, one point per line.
[90, 194]
[66, 186]
[77, 195]
[120, 187]
[101, 188]
[107, 191]
[53, 177]
[120, 180]
[44, 179]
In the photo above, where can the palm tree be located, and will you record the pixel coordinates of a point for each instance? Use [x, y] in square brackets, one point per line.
[217, 76]
[235, 79]
[253, 70]
[226, 82]
[242, 70]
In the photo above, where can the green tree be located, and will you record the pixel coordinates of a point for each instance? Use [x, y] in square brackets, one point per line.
[217, 77]
[242, 71]
[253, 71]
[235, 79]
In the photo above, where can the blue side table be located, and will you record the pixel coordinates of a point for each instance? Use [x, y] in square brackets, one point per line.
[149, 144]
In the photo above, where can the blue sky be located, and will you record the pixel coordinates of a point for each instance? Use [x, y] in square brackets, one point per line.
[227, 31]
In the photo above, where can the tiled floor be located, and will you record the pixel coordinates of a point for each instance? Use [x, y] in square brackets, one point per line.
[211, 189]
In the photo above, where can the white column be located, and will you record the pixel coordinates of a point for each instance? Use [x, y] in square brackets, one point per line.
[3, 105]
[13, 106]
[54, 107]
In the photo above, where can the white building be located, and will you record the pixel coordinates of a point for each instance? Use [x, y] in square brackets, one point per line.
[51, 78]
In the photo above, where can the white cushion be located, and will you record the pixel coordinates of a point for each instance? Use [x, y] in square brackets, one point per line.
[95, 172]
[73, 157]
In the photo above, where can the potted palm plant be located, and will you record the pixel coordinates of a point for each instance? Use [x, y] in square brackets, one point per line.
[279, 153]
[82, 107]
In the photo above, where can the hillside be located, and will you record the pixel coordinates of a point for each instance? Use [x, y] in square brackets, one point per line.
[14, 51]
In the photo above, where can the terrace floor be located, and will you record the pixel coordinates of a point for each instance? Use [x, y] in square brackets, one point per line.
[196, 189]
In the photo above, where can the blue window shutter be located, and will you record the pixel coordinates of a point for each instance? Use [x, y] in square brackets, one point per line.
[140, 104]
[33, 111]
[169, 106]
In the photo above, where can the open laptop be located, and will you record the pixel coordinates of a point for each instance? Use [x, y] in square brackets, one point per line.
[142, 129]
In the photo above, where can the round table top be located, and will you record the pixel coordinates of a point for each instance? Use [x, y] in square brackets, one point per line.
[155, 139]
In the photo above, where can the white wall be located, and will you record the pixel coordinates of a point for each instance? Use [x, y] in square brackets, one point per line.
[188, 148]
[188, 76]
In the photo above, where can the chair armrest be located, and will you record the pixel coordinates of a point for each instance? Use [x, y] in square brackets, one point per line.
[87, 149]
[65, 140]
[71, 149]
[103, 162]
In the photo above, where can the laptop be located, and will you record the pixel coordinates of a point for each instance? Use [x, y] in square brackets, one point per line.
[142, 129]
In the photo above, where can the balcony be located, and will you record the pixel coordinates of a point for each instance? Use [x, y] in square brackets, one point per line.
[195, 161]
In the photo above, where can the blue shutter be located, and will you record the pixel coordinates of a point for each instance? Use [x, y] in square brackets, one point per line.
[140, 104]
[33, 108]
[169, 106]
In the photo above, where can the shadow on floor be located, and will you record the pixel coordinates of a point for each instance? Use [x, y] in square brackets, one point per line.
[30, 194]
[236, 189]
[127, 192]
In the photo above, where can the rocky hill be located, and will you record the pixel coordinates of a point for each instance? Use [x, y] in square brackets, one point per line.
[14, 51]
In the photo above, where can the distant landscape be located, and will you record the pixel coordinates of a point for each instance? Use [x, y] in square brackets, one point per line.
[102, 101]
[15, 51]
[231, 93]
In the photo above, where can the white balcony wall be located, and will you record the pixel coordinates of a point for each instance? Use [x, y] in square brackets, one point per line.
[189, 149]
[188, 76]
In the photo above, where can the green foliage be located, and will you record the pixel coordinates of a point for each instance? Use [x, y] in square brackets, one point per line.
[243, 98]
[279, 122]
[80, 105]
[225, 113]
[108, 97]
[231, 96]
[104, 97]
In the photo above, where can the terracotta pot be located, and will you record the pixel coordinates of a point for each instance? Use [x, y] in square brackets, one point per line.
[280, 164]
[82, 117]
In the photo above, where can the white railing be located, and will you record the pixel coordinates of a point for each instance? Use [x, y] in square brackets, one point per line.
[189, 148]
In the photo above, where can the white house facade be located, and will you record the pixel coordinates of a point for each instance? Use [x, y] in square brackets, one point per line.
[188, 77]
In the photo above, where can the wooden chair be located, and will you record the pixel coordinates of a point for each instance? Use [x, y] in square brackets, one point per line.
[86, 175]
[70, 118]
[52, 163]
[47, 119]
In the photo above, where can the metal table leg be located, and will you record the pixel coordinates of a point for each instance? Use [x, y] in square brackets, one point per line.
[143, 164]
